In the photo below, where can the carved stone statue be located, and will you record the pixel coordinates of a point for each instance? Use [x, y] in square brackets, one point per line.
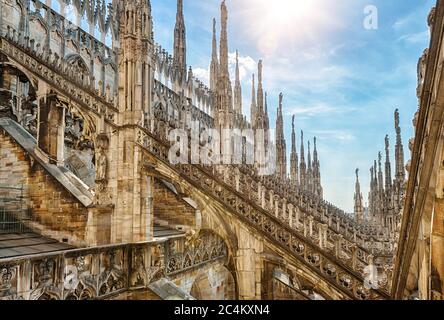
[101, 166]
[30, 121]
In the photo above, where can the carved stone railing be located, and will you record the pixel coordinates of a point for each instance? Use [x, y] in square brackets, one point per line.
[57, 73]
[261, 189]
[103, 272]
[341, 263]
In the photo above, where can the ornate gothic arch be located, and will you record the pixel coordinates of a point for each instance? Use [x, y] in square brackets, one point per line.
[79, 63]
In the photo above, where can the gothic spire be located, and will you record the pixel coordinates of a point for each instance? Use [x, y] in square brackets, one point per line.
[380, 175]
[399, 152]
[253, 108]
[260, 91]
[224, 74]
[316, 171]
[309, 177]
[359, 208]
[309, 163]
[280, 142]
[214, 67]
[302, 166]
[180, 41]
[294, 174]
[237, 88]
[224, 92]
[388, 170]
[266, 122]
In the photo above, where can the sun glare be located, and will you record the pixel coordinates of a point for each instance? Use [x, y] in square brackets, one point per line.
[282, 21]
[288, 11]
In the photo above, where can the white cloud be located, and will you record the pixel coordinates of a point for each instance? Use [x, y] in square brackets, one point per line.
[342, 135]
[247, 66]
[202, 74]
[415, 38]
[315, 110]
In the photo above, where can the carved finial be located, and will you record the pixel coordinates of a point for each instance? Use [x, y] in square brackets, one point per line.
[431, 17]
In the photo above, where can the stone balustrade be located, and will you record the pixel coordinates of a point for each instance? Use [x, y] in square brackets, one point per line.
[106, 271]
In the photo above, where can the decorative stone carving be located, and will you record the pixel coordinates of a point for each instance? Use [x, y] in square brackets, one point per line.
[431, 18]
[101, 166]
[138, 276]
[7, 275]
[422, 65]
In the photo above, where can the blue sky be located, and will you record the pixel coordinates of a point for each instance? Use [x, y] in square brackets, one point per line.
[341, 80]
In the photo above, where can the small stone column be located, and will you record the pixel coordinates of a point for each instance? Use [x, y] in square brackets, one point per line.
[271, 200]
[290, 215]
[338, 245]
[354, 251]
[259, 192]
[323, 229]
[321, 235]
[51, 129]
[296, 219]
[310, 226]
[284, 209]
[276, 206]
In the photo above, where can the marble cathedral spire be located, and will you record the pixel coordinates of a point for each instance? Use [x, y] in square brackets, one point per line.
[214, 66]
[180, 47]
[260, 90]
[266, 118]
[224, 92]
[380, 180]
[224, 83]
[388, 170]
[371, 194]
[359, 208]
[237, 88]
[303, 166]
[316, 171]
[253, 107]
[399, 152]
[309, 177]
[281, 148]
[294, 166]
